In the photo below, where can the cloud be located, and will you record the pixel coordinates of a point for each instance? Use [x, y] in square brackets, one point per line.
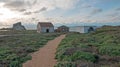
[113, 14]
[16, 5]
[60, 11]
[41, 10]
[118, 9]
[95, 11]
[86, 5]
[3, 1]
[1, 14]
[27, 13]
[42, 5]
[31, 3]
[22, 10]
[34, 12]
[65, 4]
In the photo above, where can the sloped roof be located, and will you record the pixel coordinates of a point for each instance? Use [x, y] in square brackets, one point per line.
[45, 24]
[63, 26]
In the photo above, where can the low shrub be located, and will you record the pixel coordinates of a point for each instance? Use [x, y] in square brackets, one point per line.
[66, 64]
[90, 47]
[15, 49]
[110, 50]
[83, 56]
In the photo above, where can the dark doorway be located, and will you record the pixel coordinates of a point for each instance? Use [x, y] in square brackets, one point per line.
[47, 30]
[90, 29]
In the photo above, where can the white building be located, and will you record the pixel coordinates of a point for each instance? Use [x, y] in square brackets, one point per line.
[83, 29]
[45, 27]
[18, 26]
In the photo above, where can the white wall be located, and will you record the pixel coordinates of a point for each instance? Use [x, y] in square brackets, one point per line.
[79, 29]
[86, 29]
[43, 29]
[38, 28]
[18, 27]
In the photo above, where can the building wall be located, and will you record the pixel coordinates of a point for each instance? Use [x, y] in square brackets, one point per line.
[38, 28]
[79, 29]
[63, 29]
[86, 28]
[18, 27]
[43, 29]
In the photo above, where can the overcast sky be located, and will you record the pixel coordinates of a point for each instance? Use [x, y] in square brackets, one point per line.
[59, 12]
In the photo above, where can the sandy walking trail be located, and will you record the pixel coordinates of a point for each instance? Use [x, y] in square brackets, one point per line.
[45, 57]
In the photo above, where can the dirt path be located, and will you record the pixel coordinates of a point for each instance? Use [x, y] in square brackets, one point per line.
[45, 57]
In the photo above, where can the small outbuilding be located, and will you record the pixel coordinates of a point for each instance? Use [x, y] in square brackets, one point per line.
[45, 27]
[83, 29]
[62, 29]
[18, 26]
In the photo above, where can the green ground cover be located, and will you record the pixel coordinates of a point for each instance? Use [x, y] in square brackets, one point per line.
[97, 49]
[15, 50]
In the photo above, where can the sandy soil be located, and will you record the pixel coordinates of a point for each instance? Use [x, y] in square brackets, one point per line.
[45, 57]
